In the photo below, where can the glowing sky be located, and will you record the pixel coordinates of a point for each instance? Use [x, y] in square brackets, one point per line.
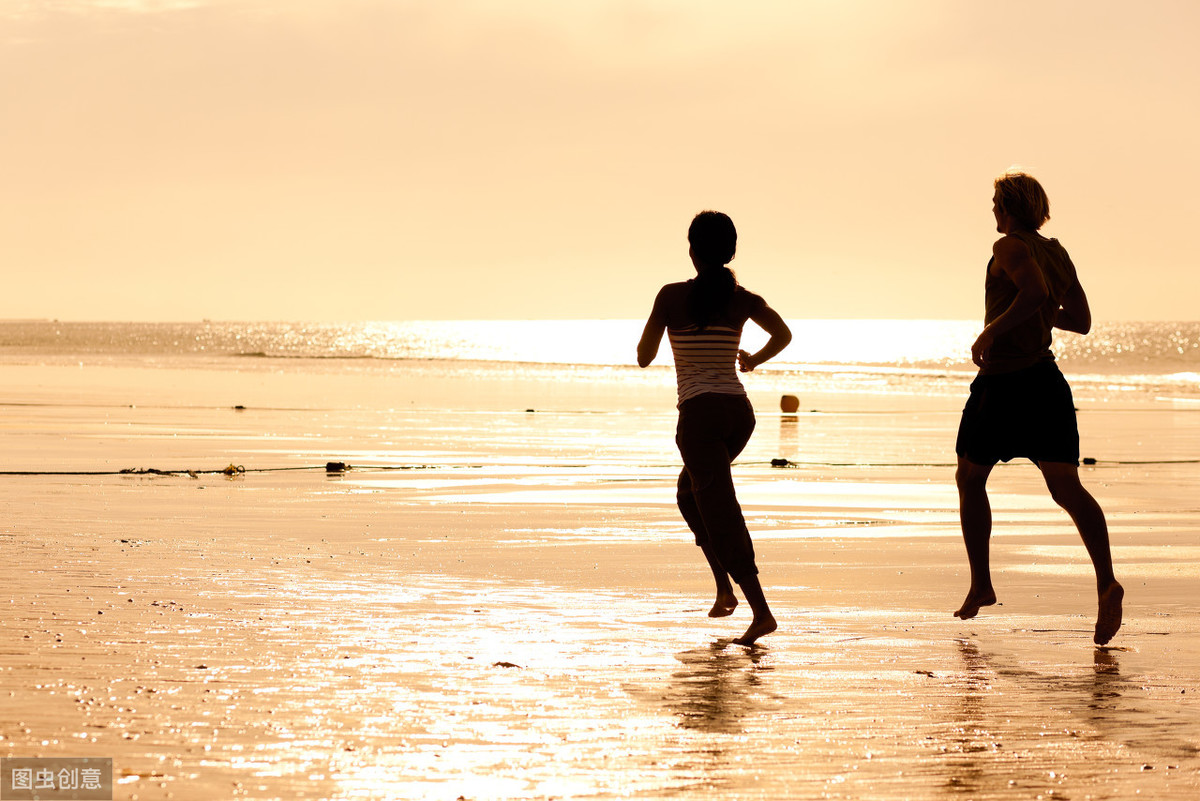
[385, 159]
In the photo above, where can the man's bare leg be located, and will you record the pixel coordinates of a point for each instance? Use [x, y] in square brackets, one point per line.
[726, 601]
[1062, 479]
[763, 622]
[975, 515]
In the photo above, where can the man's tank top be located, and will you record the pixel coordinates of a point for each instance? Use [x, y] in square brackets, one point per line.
[705, 360]
[1028, 343]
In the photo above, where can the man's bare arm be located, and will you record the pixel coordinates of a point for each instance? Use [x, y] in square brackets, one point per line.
[1075, 314]
[1013, 258]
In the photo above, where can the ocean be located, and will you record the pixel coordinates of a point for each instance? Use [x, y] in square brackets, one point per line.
[1155, 361]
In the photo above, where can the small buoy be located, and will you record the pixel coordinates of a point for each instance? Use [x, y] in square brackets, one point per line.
[789, 404]
[779, 463]
[239, 408]
[1089, 460]
[336, 467]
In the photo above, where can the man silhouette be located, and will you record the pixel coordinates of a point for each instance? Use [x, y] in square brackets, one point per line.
[1020, 404]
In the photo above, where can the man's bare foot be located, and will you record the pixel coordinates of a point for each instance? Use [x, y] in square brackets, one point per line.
[723, 606]
[758, 628]
[975, 600]
[1109, 619]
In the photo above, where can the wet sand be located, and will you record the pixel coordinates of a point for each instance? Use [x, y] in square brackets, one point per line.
[506, 605]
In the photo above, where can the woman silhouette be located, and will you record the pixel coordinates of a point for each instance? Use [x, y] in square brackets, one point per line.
[703, 318]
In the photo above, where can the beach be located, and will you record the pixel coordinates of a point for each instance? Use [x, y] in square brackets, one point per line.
[499, 600]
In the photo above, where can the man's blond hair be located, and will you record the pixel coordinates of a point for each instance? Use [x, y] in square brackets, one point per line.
[1020, 195]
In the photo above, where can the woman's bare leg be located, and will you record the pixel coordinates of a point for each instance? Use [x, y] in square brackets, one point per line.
[763, 622]
[726, 601]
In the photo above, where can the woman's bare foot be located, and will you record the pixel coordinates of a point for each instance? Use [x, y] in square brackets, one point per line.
[1109, 619]
[724, 605]
[974, 600]
[759, 627]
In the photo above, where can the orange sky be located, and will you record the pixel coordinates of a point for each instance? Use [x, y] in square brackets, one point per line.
[386, 159]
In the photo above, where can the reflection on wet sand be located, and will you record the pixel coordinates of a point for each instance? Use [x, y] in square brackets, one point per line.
[1011, 726]
[1014, 726]
[1106, 687]
[1165, 732]
[718, 687]
[967, 771]
[789, 437]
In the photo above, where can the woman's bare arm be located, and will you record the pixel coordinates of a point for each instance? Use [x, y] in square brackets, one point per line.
[780, 335]
[652, 335]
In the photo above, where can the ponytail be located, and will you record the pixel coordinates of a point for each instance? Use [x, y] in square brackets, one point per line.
[714, 242]
[711, 291]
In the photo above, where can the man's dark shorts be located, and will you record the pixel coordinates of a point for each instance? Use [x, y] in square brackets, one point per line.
[1027, 413]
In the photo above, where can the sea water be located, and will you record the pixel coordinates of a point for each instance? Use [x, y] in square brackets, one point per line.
[872, 392]
[1154, 358]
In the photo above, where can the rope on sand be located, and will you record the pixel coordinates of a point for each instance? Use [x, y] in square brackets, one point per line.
[331, 468]
[338, 468]
[1086, 461]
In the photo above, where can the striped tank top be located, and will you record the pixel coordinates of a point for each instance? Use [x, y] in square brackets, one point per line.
[706, 360]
